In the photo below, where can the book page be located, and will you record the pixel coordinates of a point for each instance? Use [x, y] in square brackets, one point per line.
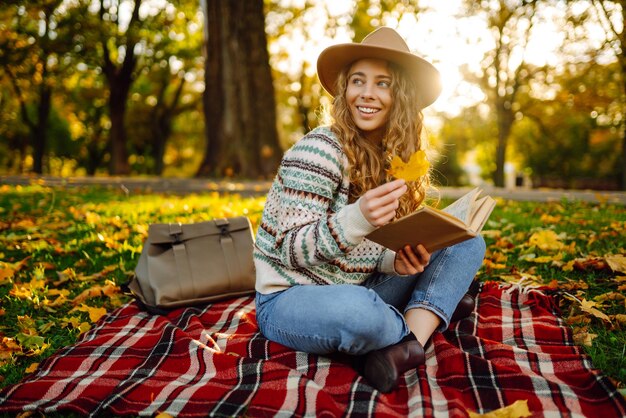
[462, 207]
[484, 207]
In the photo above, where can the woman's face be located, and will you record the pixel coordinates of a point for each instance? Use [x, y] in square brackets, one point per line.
[368, 96]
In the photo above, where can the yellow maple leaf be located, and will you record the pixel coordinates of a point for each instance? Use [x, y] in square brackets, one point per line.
[518, 409]
[72, 321]
[546, 240]
[617, 263]
[590, 307]
[94, 313]
[413, 170]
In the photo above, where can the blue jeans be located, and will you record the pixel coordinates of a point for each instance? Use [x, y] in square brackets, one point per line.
[356, 319]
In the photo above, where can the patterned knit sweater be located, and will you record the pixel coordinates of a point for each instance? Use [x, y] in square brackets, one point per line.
[309, 234]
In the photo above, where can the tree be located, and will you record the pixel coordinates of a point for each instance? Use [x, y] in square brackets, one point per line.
[460, 135]
[609, 14]
[31, 50]
[167, 87]
[119, 74]
[575, 124]
[505, 70]
[239, 103]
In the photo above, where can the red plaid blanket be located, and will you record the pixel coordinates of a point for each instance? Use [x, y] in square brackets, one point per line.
[214, 362]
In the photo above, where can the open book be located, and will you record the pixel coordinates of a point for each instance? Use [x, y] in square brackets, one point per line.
[437, 228]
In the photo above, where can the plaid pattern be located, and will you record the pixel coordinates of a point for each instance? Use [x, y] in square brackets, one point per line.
[213, 361]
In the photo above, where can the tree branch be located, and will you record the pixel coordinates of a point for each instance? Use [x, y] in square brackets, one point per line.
[20, 98]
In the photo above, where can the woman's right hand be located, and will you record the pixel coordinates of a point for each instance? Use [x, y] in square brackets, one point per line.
[379, 205]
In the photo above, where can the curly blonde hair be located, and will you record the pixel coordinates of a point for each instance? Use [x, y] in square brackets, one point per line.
[403, 137]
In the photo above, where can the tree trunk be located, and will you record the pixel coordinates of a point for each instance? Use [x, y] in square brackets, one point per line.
[622, 61]
[118, 164]
[40, 131]
[505, 123]
[161, 131]
[162, 116]
[239, 103]
[120, 80]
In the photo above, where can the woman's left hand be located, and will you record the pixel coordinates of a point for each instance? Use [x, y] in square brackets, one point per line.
[410, 261]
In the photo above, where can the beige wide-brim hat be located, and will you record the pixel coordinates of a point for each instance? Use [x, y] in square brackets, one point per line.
[383, 43]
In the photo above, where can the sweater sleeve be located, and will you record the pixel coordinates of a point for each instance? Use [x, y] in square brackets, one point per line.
[309, 231]
[386, 262]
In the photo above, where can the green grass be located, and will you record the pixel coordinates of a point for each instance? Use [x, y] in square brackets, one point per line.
[73, 240]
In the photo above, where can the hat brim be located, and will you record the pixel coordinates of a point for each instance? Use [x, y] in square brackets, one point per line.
[335, 58]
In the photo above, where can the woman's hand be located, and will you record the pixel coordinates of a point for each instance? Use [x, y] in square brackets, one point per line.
[410, 261]
[379, 205]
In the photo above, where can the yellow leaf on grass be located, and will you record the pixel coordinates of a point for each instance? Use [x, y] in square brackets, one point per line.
[75, 323]
[413, 170]
[8, 270]
[107, 270]
[546, 240]
[25, 290]
[547, 258]
[545, 218]
[589, 307]
[83, 327]
[569, 266]
[8, 347]
[617, 263]
[490, 265]
[578, 319]
[518, 409]
[72, 321]
[582, 337]
[65, 275]
[609, 296]
[94, 313]
[32, 368]
[6, 273]
[107, 290]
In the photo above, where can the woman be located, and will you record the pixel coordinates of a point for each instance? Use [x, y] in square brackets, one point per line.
[321, 286]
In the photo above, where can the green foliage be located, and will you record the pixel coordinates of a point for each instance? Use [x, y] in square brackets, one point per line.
[581, 122]
[580, 125]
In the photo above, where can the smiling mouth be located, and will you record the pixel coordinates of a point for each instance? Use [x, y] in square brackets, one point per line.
[368, 110]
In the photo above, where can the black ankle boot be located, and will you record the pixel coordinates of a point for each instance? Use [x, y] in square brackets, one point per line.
[464, 308]
[383, 367]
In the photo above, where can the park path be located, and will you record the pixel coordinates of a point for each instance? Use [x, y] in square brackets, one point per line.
[259, 188]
